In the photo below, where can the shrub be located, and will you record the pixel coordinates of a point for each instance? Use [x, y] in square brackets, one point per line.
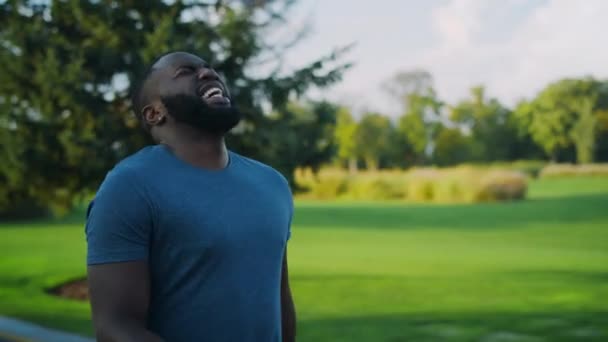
[420, 186]
[501, 186]
[571, 170]
[329, 187]
[456, 185]
[379, 187]
[462, 184]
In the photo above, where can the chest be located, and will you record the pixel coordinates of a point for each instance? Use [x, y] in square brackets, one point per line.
[222, 217]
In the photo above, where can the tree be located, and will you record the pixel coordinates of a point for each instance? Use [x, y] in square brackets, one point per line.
[345, 135]
[451, 147]
[559, 118]
[583, 133]
[421, 111]
[373, 137]
[488, 122]
[67, 67]
[420, 124]
[310, 141]
[405, 83]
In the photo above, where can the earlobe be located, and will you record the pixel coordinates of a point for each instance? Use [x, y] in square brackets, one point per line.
[153, 116]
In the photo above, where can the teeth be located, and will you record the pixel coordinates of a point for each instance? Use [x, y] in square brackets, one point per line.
[212, 92]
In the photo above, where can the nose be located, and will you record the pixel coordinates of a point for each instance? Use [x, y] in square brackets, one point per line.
[208, 74]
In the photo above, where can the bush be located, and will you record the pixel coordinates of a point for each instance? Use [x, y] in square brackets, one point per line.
[464, 184]
[501, 186]
[421, 185]
[330, 187]
[571, 170]
[378, 188]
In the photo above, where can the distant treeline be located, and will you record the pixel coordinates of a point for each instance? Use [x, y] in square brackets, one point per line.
[565, 122]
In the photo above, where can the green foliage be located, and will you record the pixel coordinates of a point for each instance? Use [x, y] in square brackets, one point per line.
[563, 117]
[420, 120]
[345, 135]
[451, 147]
[66, 68]
[309, 136]
[583, 133]
[489, 124]
[373, 136]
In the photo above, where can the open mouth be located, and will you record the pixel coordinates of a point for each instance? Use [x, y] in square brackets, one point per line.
[213, 92]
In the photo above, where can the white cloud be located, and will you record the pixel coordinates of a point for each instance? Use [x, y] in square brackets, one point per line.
[559, 38]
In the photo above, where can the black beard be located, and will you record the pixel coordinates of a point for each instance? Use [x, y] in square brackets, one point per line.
[194, 111]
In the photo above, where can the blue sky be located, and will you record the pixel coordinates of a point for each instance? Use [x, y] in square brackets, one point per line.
[514, 47]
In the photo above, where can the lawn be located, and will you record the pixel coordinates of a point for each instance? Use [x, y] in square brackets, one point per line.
[530, 271]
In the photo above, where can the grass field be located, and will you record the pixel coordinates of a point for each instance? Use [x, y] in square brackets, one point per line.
[530, 271]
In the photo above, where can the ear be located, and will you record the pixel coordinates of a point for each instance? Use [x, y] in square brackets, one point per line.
[154, 114]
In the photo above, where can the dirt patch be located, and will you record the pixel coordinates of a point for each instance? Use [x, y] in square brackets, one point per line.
[74, 289]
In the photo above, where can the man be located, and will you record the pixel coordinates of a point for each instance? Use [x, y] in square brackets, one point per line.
[187, 240]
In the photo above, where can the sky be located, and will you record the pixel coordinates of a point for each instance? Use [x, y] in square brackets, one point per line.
[513, 47]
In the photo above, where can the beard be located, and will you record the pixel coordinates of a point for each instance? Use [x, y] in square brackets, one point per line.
[194, 111]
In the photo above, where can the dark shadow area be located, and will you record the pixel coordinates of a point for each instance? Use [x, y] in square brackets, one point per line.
[482, 326]
[584, 208]
[77, 289]
[566, 276]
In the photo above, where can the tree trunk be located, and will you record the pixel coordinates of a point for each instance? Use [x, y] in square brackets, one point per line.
[352, 165]
[371, 163]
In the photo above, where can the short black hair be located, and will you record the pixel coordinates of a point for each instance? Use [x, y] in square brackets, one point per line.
[138, 98]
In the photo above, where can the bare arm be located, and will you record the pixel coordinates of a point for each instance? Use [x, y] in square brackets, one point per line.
[288, 311]
[120, 295]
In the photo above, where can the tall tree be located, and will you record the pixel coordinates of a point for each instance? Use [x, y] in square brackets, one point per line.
[421, 110]
[488, 122]
[563, 114]
[66, 69]
[583, 133]
[309, 140]
[451, 147]
[345, 135]
[373, 137]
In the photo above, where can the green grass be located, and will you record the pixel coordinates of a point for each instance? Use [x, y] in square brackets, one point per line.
[529, 271]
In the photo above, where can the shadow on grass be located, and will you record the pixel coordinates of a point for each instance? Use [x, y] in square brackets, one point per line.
[584, 208]
[483, 326]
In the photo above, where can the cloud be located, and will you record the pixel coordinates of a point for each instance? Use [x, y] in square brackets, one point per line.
[515, 47]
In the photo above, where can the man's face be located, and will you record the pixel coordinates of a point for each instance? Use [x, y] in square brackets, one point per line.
[194, 94]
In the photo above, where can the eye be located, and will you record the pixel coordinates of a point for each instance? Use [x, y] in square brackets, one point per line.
[184, 70]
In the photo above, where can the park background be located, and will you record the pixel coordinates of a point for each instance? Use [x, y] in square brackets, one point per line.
[425, 211]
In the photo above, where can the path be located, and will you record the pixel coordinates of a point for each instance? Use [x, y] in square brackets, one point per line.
[13, 330]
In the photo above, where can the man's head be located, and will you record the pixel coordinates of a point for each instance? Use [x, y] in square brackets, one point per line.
[181, 88]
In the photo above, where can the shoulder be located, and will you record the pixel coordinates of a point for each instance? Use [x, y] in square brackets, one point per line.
[125, 178]
[136, 165]
[139, 161]
[267, 171]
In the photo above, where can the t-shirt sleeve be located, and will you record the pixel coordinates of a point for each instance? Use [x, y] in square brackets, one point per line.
[291, 210]
[119, 221]
[290, 219]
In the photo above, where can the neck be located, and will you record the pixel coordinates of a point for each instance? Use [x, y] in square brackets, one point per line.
[200, 149]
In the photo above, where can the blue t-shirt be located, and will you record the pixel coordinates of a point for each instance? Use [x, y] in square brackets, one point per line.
[214, 242]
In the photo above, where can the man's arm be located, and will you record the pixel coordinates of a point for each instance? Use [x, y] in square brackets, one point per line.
[288, 312]
[120, 295]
